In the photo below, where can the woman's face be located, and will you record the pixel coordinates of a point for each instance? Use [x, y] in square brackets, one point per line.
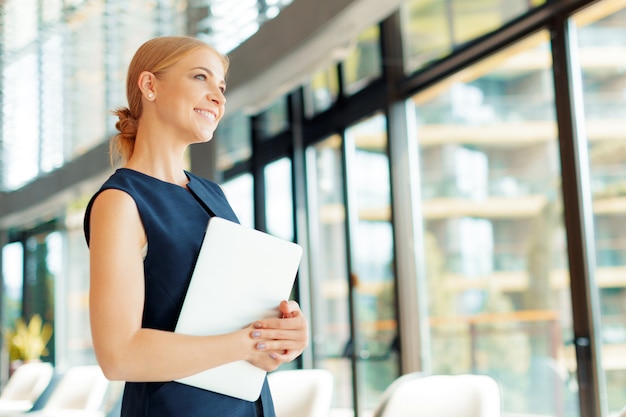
[189, 97]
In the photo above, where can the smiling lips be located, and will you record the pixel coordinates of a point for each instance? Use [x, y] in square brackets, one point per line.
[211, 116]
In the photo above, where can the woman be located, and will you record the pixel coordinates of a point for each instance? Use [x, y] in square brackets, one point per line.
[144, 228]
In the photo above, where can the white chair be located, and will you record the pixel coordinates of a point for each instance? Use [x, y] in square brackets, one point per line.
[302, 392]
[80, 392]
[441, 396]
[24, 387]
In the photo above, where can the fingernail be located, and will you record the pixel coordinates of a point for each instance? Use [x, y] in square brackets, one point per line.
[260, 346]
[256, 334]
[258, 325]
[273, 355]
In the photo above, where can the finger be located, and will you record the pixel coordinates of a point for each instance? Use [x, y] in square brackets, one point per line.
[285, 356]
[286, 308]
[293, 323]
[293, 331]
[281, 346]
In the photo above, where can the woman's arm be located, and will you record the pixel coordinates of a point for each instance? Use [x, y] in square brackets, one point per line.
[125, 350]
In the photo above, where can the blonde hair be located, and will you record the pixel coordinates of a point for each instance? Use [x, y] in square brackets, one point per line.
[156, 56]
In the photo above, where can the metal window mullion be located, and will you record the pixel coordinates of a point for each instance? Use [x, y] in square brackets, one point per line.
[258, 176]
[578, 217]
[299, 207]
[351, 218]
[405, 204]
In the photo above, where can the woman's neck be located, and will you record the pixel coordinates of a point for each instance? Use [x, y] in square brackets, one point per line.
[166, 166]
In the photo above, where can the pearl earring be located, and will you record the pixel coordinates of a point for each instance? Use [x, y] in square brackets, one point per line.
[150, 95]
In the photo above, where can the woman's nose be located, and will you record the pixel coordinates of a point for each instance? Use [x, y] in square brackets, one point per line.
[216, 95]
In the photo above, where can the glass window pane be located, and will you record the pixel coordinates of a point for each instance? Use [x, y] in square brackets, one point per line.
[226, 24]
[426, 33]
[274, 119]
[83, 49]
[432, 29]
[13, 283]
[51, 10]
[233, 140]
[330, 323]
[475, 18]
[74, 3]
[52, 136]
[373, 278]
[495, 247]
[601, 49]
[364, 63]
[321, 91]
[279, 199]
[20, 114]
[133, 23]
[76, 346]
[20, 22]
[42, 267]
[87, 110]
[138, 21]
[240, 195]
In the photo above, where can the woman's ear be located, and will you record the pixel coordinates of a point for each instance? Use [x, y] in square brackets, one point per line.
[146, 85]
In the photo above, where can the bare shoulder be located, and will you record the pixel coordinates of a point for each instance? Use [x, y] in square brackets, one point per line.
[113, 199]
[115, 212]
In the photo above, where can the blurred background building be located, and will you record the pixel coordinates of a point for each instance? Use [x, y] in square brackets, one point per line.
[455, 170]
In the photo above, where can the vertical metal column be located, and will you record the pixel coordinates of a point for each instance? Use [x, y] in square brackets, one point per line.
[577, 208]
[301, 231]
[406, 207]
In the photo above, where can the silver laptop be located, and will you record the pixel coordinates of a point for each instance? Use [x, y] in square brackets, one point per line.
[243, 272]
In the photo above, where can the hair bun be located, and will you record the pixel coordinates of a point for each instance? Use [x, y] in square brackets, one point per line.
[127, 123]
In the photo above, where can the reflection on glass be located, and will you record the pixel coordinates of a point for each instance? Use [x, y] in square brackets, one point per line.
[233, 140]
[240, 195]
[364, 63]
[601, 50]
[494, 244]
[321, 91]
[434, 28]
[279, 199]
[372, 260]
[274, 119]
[330, 325]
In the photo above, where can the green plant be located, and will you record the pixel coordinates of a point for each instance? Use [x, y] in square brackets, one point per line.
[28, 342]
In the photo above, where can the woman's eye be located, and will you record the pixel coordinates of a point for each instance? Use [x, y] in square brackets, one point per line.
[201, 77]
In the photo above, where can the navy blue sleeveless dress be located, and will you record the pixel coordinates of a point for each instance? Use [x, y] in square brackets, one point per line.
[174, 219]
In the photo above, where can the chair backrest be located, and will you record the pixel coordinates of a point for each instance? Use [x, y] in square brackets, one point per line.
[443, 396]
[302, 392]
[27, 382]
[80, 388]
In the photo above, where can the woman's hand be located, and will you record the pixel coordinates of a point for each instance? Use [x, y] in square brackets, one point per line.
[281, 339]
